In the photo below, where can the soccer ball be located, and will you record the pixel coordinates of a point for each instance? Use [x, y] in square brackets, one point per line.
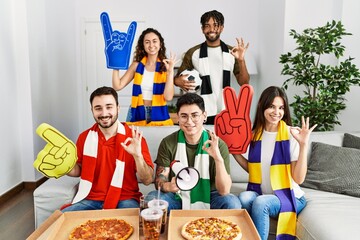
[193, 76]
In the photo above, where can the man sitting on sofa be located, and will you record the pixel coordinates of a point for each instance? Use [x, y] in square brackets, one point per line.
[194, 146]
[110, 155]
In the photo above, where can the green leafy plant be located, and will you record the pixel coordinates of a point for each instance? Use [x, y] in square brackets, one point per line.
[172, 108]
[325, 85]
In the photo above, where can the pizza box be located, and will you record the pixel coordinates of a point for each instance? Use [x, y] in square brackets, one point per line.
[59, 225]
[240, 216]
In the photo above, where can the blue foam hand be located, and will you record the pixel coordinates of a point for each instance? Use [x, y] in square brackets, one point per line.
[117, 44]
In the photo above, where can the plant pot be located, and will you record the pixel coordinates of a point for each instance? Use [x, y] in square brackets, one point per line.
[174, 118]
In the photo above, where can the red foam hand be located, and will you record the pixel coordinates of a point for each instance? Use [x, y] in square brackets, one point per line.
[233, 124]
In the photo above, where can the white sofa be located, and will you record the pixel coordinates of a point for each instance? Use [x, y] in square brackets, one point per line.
[326, 216]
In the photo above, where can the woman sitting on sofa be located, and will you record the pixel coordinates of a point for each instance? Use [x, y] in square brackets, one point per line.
[277, 163]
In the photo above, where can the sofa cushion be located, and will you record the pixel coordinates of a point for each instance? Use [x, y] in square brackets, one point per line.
[333, 169]
[53, 194]
[329, 216]
[351, 141]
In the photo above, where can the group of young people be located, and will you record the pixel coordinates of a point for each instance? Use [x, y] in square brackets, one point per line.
[153, 77]
[112, 156]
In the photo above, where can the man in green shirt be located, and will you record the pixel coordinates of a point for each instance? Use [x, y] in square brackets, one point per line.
[194, 146]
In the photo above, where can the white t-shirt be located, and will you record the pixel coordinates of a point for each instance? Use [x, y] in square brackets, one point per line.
[267, 151]
[215, 57]
[147, 85]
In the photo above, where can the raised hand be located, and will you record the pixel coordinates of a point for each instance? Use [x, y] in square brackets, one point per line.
[170, 62]
[302, 134]
[117, 44]
[133, 145]
[211, 146]
[58, 156]
[233, 124]
[239, 50]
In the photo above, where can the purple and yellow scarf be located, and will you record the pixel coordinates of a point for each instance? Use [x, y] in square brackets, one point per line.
[280, 177]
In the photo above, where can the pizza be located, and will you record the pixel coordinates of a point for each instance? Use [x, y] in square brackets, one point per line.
[103, 229]
[211, 229]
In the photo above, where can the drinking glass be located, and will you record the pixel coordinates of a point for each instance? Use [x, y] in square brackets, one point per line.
[151, 221]
[163, 205]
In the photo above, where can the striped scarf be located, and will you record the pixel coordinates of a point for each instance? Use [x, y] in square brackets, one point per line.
[159, 110]
[204, 70]
[89, 164]
[280, 177]
[199, 196]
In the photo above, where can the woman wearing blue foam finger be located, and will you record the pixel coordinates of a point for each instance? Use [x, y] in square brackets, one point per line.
[277, 164]
[153, 82]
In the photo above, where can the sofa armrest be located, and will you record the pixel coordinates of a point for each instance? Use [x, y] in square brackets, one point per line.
[51, 195]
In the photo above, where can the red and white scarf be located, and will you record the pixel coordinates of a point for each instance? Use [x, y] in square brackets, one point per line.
[89, 164]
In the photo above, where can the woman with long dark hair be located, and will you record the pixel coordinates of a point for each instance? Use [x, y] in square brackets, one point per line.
[277, 164]
[153, 76]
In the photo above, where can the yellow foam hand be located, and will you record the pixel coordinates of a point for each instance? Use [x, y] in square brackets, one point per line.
[58, 156]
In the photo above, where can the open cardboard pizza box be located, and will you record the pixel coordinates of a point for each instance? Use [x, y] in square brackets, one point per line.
[179, 217]
[59, 225]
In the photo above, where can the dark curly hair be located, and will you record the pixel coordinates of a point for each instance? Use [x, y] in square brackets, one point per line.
[140, 50]
[217, 16]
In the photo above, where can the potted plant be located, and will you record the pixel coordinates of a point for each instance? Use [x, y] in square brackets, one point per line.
[173, 113]
[325, 84]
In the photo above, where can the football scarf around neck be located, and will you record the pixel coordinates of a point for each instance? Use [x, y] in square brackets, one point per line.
[199, 196]
[159, 110]
[280, 176]
[89, 164]
[204, 70]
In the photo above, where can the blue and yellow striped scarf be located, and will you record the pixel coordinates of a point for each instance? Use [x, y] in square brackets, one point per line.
[159, 110]
[280, 177]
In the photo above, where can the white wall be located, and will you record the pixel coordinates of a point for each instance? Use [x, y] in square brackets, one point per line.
[16, 144]
[40, 60]
[350, 18]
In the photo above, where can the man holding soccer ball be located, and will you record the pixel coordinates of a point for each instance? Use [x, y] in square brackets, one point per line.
[214, 60]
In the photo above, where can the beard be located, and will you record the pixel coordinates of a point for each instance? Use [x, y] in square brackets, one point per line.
[110, 122]
[212, 39]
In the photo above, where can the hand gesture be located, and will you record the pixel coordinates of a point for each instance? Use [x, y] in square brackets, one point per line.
[58, 156]
[302, 134]
[170, 62]
[211, 146]
[117, 44]
[233, 125]
[133, 145]
[239, 50]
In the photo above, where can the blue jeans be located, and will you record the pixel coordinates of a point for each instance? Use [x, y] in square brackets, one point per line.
[262, 207]
[217, 201]
[147, 114]
[97, 205]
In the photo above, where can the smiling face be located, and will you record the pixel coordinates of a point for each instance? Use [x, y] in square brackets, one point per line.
[151, 43]
[212, 30]
[273, 114]
[105, 111]
[191, 120]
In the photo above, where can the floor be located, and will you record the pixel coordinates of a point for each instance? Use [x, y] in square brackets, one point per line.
[17, 216]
